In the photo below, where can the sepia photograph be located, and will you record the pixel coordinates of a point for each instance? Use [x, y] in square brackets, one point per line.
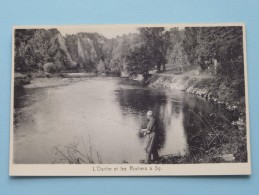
[121, 100]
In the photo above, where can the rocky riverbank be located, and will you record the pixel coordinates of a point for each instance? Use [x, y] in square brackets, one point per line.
[219, 90]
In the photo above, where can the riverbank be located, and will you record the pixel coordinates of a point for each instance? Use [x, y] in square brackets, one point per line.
[21, 80]
[211, 136]
[229, 134]
[223, 142]
[219, 90]
[229, 93]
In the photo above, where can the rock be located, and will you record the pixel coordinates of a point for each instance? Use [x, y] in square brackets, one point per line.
[240, 124]
[125, 74]
[224, 158]
[62, 44]
[234, 107]
[227, 157]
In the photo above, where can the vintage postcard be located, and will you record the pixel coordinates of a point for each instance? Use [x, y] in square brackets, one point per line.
[129, 100]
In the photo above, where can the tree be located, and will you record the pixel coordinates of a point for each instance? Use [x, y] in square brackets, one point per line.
[122, 46]
[154, 44]
[190, 43]
[36, 47]
[205, 44]
[100, 67]
[139, 61]
[174, 48]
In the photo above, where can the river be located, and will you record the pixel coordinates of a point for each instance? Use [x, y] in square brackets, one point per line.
[101, 118]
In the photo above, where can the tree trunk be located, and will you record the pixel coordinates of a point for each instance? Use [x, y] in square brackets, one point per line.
[164, 69]
[158, 68]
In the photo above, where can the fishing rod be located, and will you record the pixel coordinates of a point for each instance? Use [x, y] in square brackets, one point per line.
[121, 123]
[102, 116]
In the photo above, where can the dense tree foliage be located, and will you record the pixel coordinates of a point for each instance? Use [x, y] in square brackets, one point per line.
[224, 44]
[154, 44]
[35, 48]
[139, 61]
[173, 44]
[122, 47]
[138, 53]
[100, 67]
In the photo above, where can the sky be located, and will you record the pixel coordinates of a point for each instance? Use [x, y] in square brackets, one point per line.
[109, 31]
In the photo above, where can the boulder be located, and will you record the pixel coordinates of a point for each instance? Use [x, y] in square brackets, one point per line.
[139, 77]
[225, 158]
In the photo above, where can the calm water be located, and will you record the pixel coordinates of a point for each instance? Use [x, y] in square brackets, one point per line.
[101, 115]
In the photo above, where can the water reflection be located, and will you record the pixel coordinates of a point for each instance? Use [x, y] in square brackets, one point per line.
[109, 111]
[180, 131]
[172, 116]
[168, 110]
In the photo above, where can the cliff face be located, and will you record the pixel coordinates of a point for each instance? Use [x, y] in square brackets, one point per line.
[47, 50]
[63, 47]
[86, 49]
[59, 59]
[91, 49]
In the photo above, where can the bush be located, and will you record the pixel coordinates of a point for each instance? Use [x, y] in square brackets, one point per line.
[51, 67]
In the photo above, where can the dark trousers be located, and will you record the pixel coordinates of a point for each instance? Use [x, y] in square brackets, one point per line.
[151, 148]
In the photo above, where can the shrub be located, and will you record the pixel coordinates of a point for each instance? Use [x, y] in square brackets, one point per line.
[51, 67]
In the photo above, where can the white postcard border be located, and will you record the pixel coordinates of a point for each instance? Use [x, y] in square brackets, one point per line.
[131, 169]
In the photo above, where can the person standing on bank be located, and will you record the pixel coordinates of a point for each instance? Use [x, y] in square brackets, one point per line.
[151, 132]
